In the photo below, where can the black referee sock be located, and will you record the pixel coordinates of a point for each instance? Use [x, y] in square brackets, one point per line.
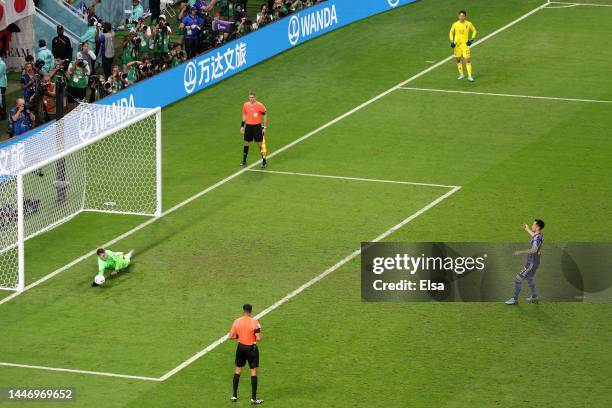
[236, 382]
[254, 387]
[246, 153]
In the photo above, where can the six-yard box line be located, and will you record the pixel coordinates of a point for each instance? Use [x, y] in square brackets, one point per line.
[231, 177]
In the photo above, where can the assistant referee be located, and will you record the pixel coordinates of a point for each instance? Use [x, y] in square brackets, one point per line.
[247, 331]
[252, 129]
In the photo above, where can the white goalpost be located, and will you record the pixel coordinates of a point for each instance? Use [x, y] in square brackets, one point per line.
[98, 158]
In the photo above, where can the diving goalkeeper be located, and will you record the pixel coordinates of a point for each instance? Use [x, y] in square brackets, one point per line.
[115, 261]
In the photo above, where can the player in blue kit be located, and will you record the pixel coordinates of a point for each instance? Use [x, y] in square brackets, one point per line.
[533, 261]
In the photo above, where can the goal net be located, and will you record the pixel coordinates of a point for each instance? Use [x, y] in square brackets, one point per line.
[101, 158]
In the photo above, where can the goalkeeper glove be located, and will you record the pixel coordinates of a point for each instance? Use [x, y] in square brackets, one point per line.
[470, 42]
[452, 45]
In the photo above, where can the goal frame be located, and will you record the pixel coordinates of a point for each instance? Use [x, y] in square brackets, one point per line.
[21, 238]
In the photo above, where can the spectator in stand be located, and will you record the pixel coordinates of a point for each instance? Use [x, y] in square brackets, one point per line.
[87, 55]
[27, 80]
[191, 27]
[61, 47]
[3, 88]
[91, 34]
[45, 55]
[137, 11]
[20, 119]
[78, 78]
[263, 17]
[107, 48]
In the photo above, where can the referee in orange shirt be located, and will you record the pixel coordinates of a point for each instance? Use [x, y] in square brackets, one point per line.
[247, 331]
[252, 129]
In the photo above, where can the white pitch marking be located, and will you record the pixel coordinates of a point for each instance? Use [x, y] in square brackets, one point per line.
[70, 370]
[410, 183]
[581, 4]
[551, 98]
[562, 6]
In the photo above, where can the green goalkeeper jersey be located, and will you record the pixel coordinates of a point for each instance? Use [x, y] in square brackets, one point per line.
[114, 261]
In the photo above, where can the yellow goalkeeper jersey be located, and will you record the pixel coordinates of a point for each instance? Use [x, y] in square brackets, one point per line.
[459, 32]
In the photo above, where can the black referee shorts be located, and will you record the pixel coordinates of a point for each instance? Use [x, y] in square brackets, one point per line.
[246, 353]
[253, 132]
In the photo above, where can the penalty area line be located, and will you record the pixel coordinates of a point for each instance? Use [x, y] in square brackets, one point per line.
[579, 4]
[549, 98]
[409, 183]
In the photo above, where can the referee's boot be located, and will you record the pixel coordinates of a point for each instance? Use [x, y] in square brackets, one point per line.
[242, 163]
[256, 401]
[264, 164]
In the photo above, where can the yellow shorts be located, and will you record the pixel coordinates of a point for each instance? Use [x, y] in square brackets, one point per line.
[462, 50]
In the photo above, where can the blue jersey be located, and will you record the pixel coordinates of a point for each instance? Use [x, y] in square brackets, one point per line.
[534, 259]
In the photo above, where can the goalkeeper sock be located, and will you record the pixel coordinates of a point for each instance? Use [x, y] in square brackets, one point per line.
[245, 154]
[460, 68]
[235, 384]
[469, 68]
[254, 387]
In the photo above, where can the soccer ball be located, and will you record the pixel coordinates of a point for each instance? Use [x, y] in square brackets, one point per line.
[99, 279]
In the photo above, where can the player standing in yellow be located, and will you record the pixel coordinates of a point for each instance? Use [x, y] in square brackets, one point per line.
[460, 40]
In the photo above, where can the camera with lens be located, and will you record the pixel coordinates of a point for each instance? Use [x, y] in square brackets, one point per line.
[39, 64]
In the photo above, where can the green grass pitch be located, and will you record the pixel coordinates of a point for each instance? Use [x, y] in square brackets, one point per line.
[259, 236]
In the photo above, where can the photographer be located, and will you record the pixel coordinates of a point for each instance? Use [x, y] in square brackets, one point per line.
[132, 75]
[129, 49]
[40, 90]
[244, 27]
[161, 38]
[27, 80]
[118, 80]
[143, 40]
[20, 119]
[78, 78]
[99, 89]
[177, 55]
[191, 27]
[87, 55]
[145, 69]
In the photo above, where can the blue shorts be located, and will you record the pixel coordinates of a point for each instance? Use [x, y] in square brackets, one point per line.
[528, 271]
